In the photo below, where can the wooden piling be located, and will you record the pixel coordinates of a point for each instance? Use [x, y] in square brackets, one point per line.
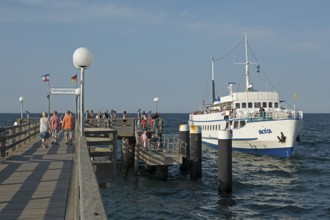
[136, 163]
[184, 136]
[196, 152]
[124, 156]
[163, 172]
[2, 143]
[225, 162]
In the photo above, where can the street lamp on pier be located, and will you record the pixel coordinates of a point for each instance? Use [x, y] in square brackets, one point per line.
[156, 100]
[21, 99]
[82, 59]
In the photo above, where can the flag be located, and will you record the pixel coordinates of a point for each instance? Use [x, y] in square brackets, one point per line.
[295, 95]
[74, 78]
[45, 78]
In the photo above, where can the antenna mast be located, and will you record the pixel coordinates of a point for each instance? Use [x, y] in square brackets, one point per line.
[249, 86]
[213, 85]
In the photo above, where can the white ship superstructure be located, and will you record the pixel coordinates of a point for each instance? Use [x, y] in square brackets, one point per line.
[260, 122]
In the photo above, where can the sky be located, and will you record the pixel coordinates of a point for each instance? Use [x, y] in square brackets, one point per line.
[162, 48]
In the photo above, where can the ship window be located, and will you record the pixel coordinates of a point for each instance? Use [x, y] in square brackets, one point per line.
[242, 123]
[276, 104]
[238, 105]
[227, 125]
[257, 104]
[264, 104]
[235, 124]
[250, 105]
[244, 105]
[270, 104]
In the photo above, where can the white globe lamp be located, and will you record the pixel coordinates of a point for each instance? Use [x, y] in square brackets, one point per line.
[156, 100]
[21, 99]
[82, 59]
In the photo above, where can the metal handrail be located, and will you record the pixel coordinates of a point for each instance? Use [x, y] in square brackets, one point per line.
[170, 145]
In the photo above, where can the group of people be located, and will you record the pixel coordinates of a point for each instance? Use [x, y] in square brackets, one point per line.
[50, 127]
[105, 115]
[146, 120]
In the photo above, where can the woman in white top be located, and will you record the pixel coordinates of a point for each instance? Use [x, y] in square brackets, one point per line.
[44, 129]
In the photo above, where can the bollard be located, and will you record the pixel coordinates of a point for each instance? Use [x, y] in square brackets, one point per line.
[225, 162]
[196, 152]
[184, 136]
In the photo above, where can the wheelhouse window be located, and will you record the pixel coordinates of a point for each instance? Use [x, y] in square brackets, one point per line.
[257, 104]
[237, 105]
[270, 104]
[244, 105]
[276, 104]
[250, 105]
[264, 104]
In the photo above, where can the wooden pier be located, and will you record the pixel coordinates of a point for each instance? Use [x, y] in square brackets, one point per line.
[35, 182]
[62, 181]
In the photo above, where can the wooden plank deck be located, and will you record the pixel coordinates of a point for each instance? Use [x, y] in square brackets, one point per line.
[34, 182]
[160, 158]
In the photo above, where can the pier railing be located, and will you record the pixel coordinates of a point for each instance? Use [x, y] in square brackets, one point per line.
[169, 145]
[87, 194]
[15, 136]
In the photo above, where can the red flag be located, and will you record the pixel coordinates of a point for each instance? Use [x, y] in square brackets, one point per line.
[74, 78]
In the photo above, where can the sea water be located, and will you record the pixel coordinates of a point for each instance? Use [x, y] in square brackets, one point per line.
[263, 187]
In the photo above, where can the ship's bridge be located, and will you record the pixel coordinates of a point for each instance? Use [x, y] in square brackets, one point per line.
[250, 100]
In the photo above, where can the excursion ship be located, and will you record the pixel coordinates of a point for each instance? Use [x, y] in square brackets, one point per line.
[260, 121]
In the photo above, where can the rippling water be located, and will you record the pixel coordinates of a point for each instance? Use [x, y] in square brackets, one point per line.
[263, 187]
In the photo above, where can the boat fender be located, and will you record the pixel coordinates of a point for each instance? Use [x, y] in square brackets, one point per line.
[281, 139]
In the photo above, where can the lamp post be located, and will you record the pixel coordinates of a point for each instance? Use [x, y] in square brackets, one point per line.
[77, 110]
[21, 99]
[156, 100]
[82, 59]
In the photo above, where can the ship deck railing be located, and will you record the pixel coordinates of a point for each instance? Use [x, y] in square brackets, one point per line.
[287, 114]
[271, 115]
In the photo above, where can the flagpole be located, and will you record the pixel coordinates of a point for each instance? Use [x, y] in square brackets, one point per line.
[48, 96]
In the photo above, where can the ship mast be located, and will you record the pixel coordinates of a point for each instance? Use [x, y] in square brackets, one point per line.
[213, 85]
[249, 86]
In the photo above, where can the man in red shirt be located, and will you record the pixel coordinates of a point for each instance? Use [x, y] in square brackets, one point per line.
[54, 124]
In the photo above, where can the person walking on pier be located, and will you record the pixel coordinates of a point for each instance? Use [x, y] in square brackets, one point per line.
[144, 140]
[124, 119]
[54, 124]
[144, 120]
[68, 127]
[44, 130]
